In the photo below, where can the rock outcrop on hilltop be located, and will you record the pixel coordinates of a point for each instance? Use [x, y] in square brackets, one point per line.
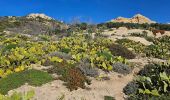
[135, 19]
[35, 15]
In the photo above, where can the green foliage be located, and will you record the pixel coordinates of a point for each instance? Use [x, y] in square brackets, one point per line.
[8, 47]
[15, 80]
[136, 46]
[160, 48]
[119, 50]
[109, 98]
[131, 88]
[18, 96]
[138, 34]
[135, 26]
[18, 54]
[96, 51]
[153, 81]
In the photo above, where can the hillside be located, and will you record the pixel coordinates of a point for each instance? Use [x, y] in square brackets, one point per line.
[45, 59]
[31, 24]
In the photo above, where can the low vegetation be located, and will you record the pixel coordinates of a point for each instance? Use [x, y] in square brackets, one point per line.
[71, 75]
[121, 68]
[109, 98]
[159, 49]
[15, 80]
[135, 46]
[119, 50]
[135, 26]
[153, 82]
[75, 55]
[18, 96]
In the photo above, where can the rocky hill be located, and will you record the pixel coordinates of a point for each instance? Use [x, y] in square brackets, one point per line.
[135, 19]
[31, 24]
[35, 15]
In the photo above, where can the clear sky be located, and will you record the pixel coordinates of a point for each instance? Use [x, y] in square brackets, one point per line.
[90, 10]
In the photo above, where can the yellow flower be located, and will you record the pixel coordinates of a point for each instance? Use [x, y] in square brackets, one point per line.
[1, 72]
[21, 68]
[17, 69]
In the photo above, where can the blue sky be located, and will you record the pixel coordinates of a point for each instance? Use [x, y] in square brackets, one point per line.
[95, 11]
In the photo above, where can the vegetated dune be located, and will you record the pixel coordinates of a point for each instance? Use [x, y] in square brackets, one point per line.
[84, 62]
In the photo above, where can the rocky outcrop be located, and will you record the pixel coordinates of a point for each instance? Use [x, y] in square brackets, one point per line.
[37, 15]
[135, 19]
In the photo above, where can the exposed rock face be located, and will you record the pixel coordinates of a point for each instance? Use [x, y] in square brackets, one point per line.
[35, 15]
[135, 19]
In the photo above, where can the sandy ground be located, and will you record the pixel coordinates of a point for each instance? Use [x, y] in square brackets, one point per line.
[123, 32]
[97, 90]
[139, 39]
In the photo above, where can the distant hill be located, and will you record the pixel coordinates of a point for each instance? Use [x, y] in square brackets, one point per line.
[35, 24]
[31, 24]
[140, 19]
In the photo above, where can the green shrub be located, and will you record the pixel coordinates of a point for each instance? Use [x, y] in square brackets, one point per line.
[9, 47]
[136, 46]
[121, 68]
[152, 69]
[87, 70]
[138, 34]
[135, 26]
[131, 88]
[152, 83]
[119, 50]
[65, 50]
[15, 80]
[160, 48]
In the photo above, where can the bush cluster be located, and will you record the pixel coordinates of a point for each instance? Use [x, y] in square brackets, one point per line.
[136, 26]
[136, 46]
[87, 70]
[72, 76]
[119, 50]
[160, 48]
[152, 83]
[121, 68]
